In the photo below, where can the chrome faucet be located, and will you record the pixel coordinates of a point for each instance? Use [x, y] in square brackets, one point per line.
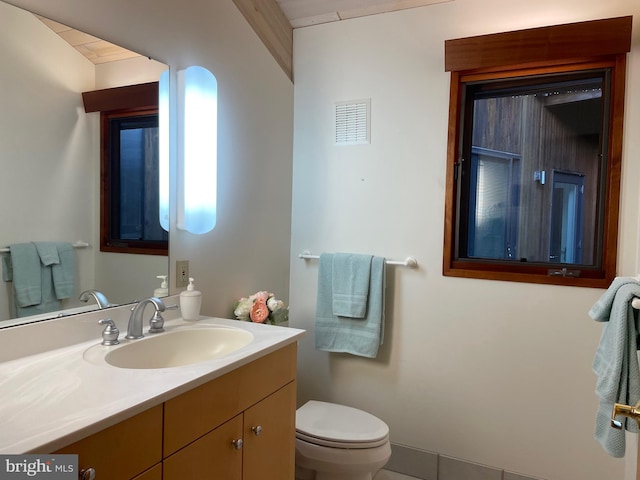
[134, 329]
[99, 297]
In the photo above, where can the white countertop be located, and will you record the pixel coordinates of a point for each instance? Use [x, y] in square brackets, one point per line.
[53, 398]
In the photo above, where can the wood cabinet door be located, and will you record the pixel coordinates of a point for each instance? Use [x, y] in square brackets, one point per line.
[123, 450]
[211, 457]
[154, 473]
[270, 453]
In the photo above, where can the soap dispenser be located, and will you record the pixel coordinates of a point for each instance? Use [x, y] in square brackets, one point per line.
[163, 290]
[190, 301]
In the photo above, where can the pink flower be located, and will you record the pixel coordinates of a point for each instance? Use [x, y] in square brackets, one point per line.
[260, 296]
[259, 311]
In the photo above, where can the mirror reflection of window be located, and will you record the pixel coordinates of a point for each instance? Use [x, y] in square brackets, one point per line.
[134, 179]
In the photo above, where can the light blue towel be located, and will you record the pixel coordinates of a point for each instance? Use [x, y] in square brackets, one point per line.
[7, 268]
[360, 337]
[350, 282]
[48, 302]
[27, 274]
[48, 252]
[616, 361]
[64, 272]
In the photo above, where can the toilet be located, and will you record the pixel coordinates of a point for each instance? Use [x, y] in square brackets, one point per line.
[336, 442]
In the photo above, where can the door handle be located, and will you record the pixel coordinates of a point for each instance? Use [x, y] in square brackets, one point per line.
[625, 411]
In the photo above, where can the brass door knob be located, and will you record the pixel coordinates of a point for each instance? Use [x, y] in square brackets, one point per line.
[625, 411]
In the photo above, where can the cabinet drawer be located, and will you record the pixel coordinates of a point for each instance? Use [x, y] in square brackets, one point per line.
[123, 450]
[196, 412]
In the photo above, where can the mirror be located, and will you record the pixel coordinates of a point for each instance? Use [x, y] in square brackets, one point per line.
[50, 154]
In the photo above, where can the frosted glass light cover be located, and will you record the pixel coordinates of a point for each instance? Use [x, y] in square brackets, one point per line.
[197, 149]
[163, 126]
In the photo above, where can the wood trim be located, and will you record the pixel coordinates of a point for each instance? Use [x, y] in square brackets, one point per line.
[455, 101]
[538, 273]
[144, 95]
[545, 44]
[272, 27]
[107, 244]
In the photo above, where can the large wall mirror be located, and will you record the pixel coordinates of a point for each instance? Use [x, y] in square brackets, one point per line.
[50, 154]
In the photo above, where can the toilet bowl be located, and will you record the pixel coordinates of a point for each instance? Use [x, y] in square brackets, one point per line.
[336, 442]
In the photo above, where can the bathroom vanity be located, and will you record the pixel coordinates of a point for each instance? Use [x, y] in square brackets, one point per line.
[240, 426]
[231, 417]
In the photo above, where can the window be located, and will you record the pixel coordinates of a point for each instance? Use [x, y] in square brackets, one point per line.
[130, 190]
[534, 154]
[129, 169]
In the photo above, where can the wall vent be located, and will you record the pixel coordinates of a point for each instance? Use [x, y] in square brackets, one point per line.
[352, 122]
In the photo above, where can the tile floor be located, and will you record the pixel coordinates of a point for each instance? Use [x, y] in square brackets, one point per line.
[387, 475]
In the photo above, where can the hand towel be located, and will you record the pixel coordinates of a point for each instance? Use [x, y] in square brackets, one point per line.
[63, 273]
[341, 334]
[350, 284]
[616, 361]
[27, 276]
[7, 268]
[48, 253]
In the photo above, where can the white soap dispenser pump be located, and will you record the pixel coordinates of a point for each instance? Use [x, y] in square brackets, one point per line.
[190, 302]
[163, 290]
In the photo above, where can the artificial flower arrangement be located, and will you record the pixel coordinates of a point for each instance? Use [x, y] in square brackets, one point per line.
[261, 307]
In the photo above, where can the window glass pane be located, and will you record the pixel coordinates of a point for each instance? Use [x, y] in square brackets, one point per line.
[134, 180]
[532, 188]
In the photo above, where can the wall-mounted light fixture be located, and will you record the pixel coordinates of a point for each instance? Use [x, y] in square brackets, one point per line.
[163, 139]
[197, 158]
[196, 149]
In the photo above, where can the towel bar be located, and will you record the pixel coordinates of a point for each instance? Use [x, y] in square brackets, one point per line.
[409, 262]
[75, 245]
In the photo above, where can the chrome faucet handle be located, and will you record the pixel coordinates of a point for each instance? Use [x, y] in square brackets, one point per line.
[156, 323]
[110, 332]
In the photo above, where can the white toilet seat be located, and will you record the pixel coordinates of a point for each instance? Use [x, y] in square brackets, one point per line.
[339, 426]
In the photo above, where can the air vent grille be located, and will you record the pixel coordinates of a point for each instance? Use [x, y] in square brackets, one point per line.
[352, 122]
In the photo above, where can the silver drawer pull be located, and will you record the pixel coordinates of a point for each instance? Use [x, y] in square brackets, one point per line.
[87, 474]
[257, 430]
[237, 443]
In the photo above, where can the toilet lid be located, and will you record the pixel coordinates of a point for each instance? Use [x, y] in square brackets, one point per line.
[334, 425]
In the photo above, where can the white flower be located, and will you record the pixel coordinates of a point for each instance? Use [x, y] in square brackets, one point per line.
[243, 308]
[274, 305]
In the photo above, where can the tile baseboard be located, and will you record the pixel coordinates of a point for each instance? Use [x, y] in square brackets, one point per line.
[427, 465]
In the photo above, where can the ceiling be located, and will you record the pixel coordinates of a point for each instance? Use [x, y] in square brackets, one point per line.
[96, 50]
[304, 13]
[300, 13]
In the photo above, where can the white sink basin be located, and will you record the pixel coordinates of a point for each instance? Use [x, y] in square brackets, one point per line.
[172, 349]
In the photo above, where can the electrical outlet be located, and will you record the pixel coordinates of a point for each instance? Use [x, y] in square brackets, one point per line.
[182, 273]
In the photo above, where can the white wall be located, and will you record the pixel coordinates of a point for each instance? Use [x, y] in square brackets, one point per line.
[491, 372]
[46, 143]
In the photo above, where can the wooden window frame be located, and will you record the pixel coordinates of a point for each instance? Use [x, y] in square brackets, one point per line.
[120, 102]
[539, 51]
